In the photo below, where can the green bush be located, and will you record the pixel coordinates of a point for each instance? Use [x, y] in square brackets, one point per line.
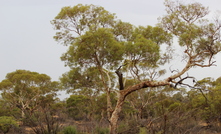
[69, 130]
[6, 123]
[143, 130]
[100, 130]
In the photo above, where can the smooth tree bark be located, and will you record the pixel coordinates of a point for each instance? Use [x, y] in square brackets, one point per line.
[123, 94]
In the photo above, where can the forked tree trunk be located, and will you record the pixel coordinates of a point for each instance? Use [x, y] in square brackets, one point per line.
[123, 94]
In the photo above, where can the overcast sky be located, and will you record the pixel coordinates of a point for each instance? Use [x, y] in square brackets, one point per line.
[26, 35]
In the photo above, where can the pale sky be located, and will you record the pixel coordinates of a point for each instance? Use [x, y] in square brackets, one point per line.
[26, 35]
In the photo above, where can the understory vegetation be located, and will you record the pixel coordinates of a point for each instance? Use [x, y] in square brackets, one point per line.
[159, 110]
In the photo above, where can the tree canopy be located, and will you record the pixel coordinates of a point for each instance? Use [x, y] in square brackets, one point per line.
[24, 89]
[105, 43]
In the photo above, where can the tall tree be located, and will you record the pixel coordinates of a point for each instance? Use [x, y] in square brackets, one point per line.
[97, 41]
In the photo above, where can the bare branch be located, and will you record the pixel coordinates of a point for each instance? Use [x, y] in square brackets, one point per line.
[208, 65]
[120, 77]
[180, 82]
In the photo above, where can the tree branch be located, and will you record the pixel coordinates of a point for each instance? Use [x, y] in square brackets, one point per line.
[181, 81]
[120, 78]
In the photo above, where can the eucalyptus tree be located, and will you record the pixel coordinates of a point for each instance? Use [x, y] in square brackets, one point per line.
[98, 42]
[24, 89]
[93, 49]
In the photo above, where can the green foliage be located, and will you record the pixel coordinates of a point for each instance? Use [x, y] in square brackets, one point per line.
[195, 33]
[78, 106]
[70, 130]
[85, 82]
[4, 109]
[178, 97]
[47, 119]
[99, 130]
[174, 106]
[6, 123]
[97, 48]
[82, 107]
[140, 49]
[155, 34]
[29, 82]
[30, 97]
[143, 130]
[123, 30]
[80, 18]
[24, 89]
[102, 100]
[97, 40]
[128, 127]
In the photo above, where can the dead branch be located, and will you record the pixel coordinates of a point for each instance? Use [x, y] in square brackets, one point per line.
[120, 77]
[180, 82]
